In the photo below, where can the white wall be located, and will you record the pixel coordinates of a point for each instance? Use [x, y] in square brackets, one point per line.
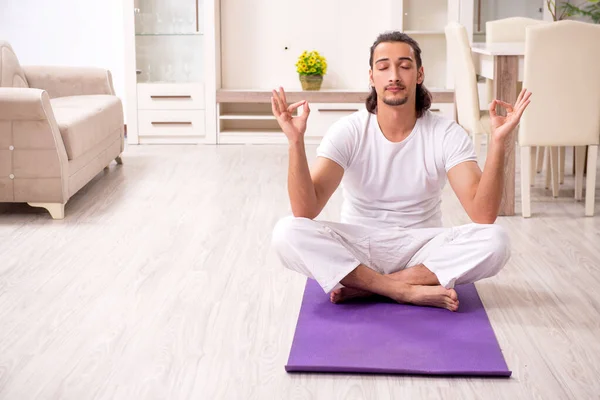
[520, 8]
[255, 34]
[67, 32]
[500, 9]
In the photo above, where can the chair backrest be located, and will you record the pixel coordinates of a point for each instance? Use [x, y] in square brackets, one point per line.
[465, 79]
[11, 73]
[562, 71]
[509, 30]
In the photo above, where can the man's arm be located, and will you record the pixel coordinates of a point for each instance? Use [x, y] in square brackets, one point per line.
[308, 192]
[481, 193]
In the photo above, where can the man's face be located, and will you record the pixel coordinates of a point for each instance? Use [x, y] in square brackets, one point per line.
[394, 73]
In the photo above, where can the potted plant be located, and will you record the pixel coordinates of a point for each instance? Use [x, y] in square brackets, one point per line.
[311, 67]
[591, 9]
[551, 4]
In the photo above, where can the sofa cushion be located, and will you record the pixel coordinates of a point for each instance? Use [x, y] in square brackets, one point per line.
[11, 73]
[86, 121]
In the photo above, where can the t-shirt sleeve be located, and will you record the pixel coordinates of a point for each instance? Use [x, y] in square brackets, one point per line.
[457, 147]
[338, 143]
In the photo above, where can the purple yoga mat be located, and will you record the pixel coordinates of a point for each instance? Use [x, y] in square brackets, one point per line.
[376, 335]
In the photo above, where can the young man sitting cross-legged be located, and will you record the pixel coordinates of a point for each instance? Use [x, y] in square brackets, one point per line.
[393, 159]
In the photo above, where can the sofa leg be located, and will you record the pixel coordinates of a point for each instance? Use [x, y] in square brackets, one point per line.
[119, 160]
[56, 210]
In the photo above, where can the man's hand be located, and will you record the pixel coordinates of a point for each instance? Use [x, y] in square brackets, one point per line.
[503, 126]
[293, 127]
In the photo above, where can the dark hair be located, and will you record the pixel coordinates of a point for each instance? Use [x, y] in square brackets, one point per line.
[423, 97]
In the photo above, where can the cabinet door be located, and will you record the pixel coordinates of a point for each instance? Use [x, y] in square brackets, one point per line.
[323, 115]
[169, 41]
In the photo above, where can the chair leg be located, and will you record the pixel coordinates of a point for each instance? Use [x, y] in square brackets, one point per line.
[579, 164]
[526, 163]
[540, 158]
[561, 164]
[548, 167]
[56, 210]
[532, 165]
[590, 183]
[554, 170]
[119, 160]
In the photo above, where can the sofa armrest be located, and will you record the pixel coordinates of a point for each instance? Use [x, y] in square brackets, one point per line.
[35, 167]
[24, 104]
[61, 81]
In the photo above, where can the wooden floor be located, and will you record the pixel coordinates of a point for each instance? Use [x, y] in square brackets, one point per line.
[160, 284]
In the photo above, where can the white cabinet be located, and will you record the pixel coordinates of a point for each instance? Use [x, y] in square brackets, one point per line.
[424, 21]
[323, 115]
[169, 54]
[181, 55]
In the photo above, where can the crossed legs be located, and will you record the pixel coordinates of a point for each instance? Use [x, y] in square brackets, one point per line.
[409, 266]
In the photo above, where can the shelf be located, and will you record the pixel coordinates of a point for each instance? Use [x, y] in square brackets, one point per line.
[240, 131]
[247, 116]
[263, 96]
[171, 34]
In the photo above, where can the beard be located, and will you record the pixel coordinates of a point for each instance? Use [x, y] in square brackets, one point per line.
[395, 102]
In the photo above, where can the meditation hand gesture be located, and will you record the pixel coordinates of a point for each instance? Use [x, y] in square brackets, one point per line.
[503, 126]
[293, 127]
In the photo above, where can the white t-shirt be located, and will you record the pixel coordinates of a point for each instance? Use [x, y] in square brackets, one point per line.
[395, 184]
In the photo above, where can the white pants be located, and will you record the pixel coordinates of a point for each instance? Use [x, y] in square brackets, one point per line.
[328, 251]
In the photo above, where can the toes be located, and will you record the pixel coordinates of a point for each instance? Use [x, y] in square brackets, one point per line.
[336, 295]
[452, 294]
[451, 304]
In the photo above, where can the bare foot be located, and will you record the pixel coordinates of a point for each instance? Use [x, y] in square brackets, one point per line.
[417, 275]
[434, 296]
[346, 293]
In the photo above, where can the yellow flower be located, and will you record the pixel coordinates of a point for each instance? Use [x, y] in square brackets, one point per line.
[311, 63]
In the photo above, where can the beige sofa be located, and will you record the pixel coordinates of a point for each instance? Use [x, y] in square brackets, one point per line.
[59, 127]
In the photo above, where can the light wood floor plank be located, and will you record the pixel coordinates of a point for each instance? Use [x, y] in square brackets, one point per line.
[160, 283]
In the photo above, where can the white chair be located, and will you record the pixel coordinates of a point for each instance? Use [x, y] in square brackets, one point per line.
[511, 30]
[561, 70]
[474, 121]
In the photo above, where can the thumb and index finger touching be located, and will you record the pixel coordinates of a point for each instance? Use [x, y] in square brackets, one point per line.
[520, 105]
[279, 104]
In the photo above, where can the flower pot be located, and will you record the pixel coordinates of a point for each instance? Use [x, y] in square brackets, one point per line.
[311, 82]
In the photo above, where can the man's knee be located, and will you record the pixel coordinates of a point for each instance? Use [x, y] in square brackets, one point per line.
[289, 236]
[287, 231]
[498, 246]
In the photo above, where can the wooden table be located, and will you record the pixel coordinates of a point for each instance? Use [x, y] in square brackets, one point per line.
[503, 62]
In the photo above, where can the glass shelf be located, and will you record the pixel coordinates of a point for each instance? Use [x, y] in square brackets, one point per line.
[169, 40]
[170, 58]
